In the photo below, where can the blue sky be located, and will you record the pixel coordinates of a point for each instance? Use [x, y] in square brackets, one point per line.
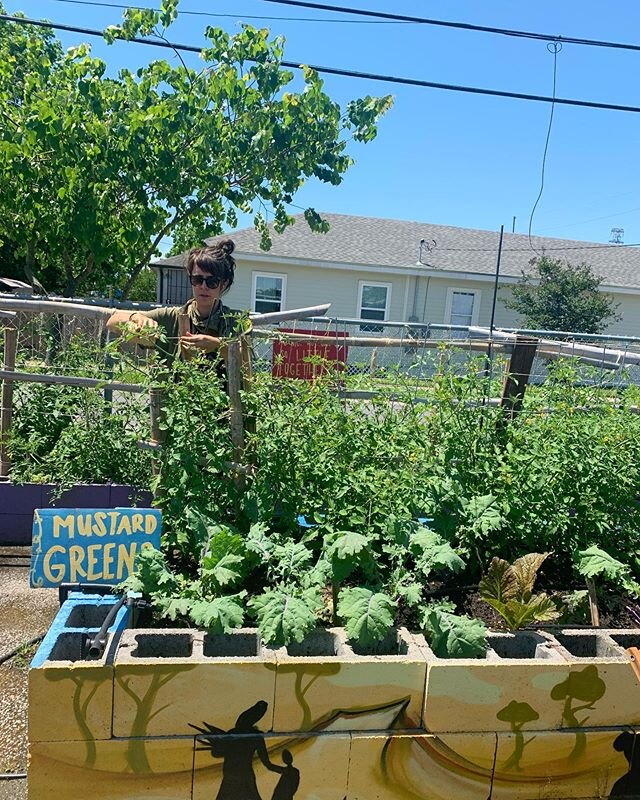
[448, 158]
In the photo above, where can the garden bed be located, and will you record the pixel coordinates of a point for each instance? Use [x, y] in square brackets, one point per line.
[183, 712]
[18, 501]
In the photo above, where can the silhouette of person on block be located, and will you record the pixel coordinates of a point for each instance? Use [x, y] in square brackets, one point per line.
[289, 780]
[237, 747]
[628, 785]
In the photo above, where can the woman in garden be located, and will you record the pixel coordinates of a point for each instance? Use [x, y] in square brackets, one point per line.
[207, 321]
[238, 747]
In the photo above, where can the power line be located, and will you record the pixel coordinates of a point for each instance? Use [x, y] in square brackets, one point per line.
[528, 250]
[234, 16]
[347, 73]
[467, 26]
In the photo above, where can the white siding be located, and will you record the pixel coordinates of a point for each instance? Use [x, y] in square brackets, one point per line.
[307, 286]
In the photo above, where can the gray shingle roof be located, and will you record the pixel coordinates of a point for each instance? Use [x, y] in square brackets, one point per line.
[396, 243]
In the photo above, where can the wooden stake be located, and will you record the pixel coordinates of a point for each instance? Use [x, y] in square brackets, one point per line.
[158, 435]
[6, 402]
[234, 378]
[518, 375]
[373, 363]
[593, 603]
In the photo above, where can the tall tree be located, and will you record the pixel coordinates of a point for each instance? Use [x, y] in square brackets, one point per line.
[95, 170]
[559, 296]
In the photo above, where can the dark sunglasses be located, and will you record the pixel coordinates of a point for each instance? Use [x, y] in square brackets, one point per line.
[211, 281]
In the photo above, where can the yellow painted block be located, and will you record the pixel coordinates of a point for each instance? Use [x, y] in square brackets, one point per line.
[272, 767]
[71, 702]
[564, 764]
[607, 693]
[477, 695]
[192, 685]
[159, 769]
[350, 692]
[419, 766]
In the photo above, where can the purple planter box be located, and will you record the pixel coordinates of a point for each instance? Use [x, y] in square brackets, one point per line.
[17, 503]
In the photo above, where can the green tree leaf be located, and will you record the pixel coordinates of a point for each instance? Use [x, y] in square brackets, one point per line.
[559, 296]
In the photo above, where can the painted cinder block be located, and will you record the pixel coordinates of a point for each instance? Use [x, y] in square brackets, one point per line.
[168, 680]
[603, 684]
[407, 766]
[314, 691]
[312, 767]
[585, 763]
[158, 769]
[477, 694]
[70, 701]
[71, 698]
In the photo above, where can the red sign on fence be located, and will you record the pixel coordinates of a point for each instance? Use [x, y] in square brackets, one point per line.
[296, 359]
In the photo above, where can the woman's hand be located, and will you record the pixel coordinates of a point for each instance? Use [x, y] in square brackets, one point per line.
[199, 341]
[145, 329]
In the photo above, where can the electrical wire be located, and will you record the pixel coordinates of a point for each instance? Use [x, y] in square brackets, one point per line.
[547, 37]
[233, 16]
[555, 48]
[347, 73]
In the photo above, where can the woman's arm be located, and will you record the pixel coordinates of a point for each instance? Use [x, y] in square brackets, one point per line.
[263, 755]
[134, 322]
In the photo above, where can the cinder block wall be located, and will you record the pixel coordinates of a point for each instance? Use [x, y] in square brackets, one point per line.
[182, 714]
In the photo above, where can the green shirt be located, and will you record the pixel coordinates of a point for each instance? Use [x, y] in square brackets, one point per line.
[222, 321]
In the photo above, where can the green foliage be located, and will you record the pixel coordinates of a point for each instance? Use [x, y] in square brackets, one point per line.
[68, 435]
[596, 562]
[558, 296]
[283, 617]
[452, 635]
[144, 287]
[97, 168]
[509, 590]
[367, 616]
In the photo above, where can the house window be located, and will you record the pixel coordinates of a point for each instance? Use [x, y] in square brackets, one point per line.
[268, 292]
[462, 307]
[374, 304]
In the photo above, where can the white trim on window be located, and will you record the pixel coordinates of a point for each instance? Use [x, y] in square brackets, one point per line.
[361, 285]
[448, 306]
[373, 324]
[254, 285]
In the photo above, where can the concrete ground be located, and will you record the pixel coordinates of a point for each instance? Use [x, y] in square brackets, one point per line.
[24, 614]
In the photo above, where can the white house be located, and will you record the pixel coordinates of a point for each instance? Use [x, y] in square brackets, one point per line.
[385, 269]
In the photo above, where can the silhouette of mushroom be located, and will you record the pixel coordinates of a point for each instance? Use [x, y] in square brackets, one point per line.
[518, 714]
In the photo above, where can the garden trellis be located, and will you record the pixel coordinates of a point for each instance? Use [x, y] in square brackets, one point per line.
[378, 357]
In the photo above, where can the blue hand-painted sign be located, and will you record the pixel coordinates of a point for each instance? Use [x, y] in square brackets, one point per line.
[90, 545]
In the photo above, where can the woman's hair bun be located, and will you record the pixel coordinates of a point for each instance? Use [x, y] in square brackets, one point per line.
[227, 246]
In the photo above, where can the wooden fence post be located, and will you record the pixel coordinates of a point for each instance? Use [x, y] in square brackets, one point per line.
[234, 378]
[6, 402]
[246, 360]
[155, 409]
[515, 385]
[373, 363]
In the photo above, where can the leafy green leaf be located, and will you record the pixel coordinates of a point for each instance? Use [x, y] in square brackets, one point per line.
[173, 607]
[433, 553]
[368, 616]
[525, 571]
[454, 636]
[594, 562]
[223, 572]
[499, 583]
[283, 617]
[220, 615]
[152, 575]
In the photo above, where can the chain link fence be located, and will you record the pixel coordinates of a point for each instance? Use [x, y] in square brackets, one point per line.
[371, 354]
